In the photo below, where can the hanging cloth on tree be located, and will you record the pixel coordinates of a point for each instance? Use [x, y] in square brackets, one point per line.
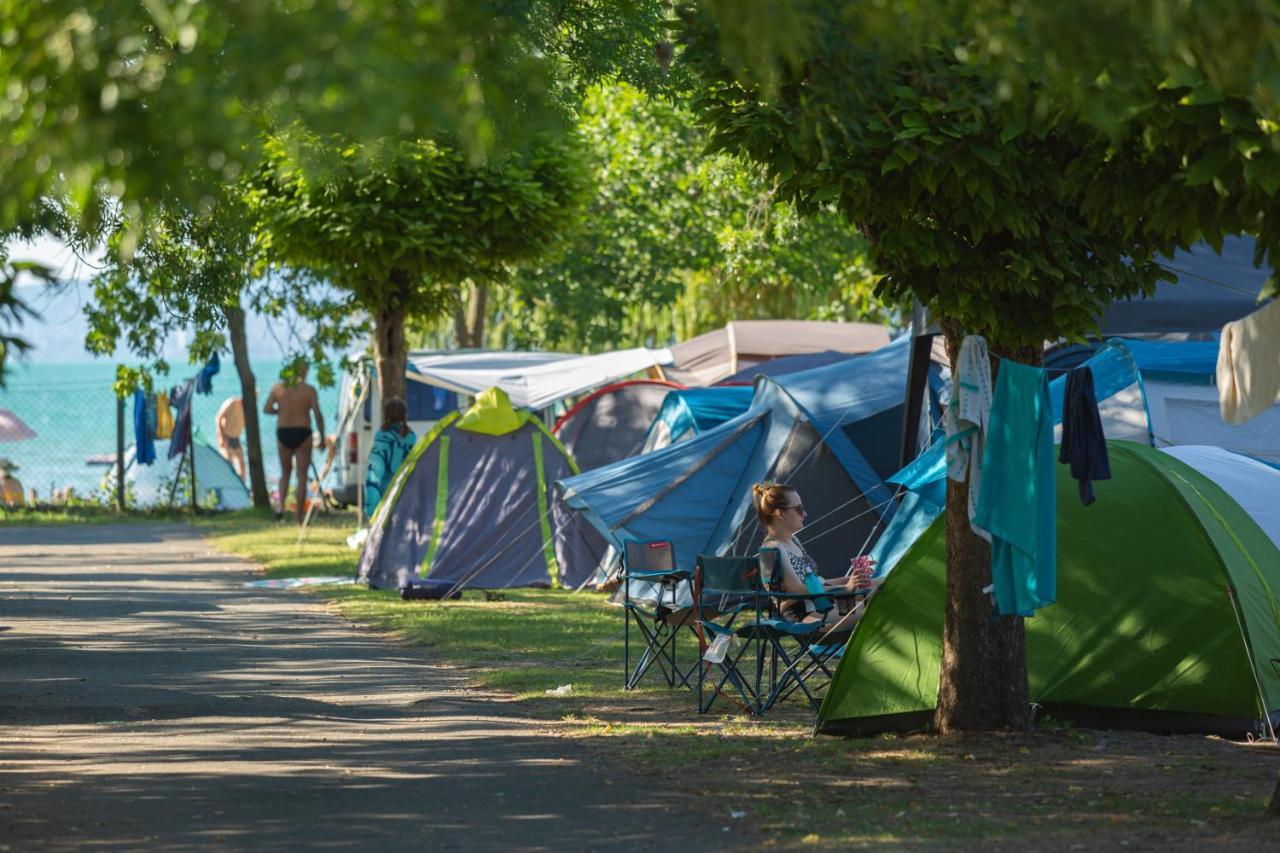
[181, 396]
[1084, 445]
[164, 416]
[151, 415]
[1249, 365]
[1018, 505]
[204, 379]
[144, 447]
[966, 417]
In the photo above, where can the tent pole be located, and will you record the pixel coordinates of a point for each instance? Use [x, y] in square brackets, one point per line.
[1248, 650]
[120, 453]
[917, 381]
[192, 449]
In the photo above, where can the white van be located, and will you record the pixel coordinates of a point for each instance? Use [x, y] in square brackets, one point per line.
[359, 417]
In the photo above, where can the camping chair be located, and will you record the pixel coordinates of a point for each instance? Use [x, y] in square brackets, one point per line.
[731, 604]
[808, 650]
[660, 621]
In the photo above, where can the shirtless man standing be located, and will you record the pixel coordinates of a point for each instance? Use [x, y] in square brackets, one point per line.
[292, 405]
[228, 425]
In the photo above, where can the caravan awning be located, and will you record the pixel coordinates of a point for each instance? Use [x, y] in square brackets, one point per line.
[532, 380]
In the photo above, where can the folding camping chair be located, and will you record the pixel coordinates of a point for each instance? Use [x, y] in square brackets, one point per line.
[653, 564]
[785, 655]
[808, 650]
[732, 604]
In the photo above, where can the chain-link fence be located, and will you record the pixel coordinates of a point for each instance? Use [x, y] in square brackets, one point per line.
[61, 428]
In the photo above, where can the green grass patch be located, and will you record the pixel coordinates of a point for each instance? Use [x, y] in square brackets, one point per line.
[87, 513]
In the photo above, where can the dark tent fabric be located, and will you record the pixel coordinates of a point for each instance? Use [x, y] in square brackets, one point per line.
[1211, 290]
[802, 429]
[471, 506]
[785, 364]
[611, 423]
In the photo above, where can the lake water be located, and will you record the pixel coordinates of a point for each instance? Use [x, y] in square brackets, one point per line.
[72, 409]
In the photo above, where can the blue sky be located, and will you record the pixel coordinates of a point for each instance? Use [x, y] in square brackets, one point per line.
[57, 335]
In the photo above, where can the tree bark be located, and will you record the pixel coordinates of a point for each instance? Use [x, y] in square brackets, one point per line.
[983, 685]
[249, 396]
[389, 352]
[469, 319]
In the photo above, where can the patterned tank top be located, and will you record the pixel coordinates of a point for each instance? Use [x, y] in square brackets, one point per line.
[802, 563]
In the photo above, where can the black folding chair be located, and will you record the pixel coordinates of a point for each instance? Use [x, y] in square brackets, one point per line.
[650, 567]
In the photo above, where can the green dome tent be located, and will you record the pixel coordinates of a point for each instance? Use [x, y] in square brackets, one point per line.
[472, 506]
[1167, 618]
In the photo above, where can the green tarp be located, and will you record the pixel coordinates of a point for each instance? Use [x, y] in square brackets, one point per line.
[1167, 615]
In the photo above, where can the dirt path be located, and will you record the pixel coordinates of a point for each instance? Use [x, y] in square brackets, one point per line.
[148, 700]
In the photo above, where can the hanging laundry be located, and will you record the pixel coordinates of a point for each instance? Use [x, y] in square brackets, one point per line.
[181, 397]
[1249, 365]
[151, 415]
[144, 447]
[204, 379]
[966, 419]
[164, 416]
[1084, 445]
[1018, 505]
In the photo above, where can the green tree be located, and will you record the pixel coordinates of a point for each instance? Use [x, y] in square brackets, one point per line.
[196, 270]
[401, 225]
[674, 242]
[975, 202]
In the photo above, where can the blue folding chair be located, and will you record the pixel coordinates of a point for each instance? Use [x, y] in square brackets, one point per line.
[660, 617]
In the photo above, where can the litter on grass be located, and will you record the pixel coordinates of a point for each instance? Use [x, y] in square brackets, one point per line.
[562, 690]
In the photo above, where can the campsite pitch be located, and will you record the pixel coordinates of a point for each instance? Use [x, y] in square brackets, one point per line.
[768, 781]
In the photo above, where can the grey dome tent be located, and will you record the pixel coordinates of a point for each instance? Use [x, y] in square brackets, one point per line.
[611, 423]
[471, 506]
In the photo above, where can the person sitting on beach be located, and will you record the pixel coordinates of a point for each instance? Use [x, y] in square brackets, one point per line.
[292, 404]
[11, 494]
[228, 424]
[390, 447]
[781, 511]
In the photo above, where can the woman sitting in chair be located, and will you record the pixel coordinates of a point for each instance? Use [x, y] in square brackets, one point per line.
[782, 513]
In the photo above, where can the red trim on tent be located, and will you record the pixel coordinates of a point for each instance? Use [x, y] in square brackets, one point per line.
[605, 390]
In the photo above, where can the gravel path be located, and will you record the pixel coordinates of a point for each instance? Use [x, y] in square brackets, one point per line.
[148, 700]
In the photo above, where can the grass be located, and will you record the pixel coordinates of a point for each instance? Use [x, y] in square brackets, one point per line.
[769, 781]
[88, 513]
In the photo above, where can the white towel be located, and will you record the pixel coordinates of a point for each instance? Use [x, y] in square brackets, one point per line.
[1249, 365]
[966, 418]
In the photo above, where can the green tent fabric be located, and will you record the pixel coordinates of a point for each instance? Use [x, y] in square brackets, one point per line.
[1167, 619]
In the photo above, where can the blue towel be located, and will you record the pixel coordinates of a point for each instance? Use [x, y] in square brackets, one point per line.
[144, 445]
[180, 398]
[1084, 446]
[1018, 504]
[204, 379]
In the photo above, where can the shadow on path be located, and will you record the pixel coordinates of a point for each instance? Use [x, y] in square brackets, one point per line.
[147, 699]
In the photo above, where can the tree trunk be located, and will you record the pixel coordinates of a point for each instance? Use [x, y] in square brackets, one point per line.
[469, 319]
[390, 353]
[983, 685]
[249, 396]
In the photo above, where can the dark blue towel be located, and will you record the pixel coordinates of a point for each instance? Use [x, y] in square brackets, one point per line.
[180, 399]
[144, 444]
[204, 379]
[1084, 446]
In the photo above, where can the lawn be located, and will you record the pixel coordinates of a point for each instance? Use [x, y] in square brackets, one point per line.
[772, 783]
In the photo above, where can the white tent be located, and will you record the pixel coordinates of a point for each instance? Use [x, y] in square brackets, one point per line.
[217, 483]
[1250, 483]
[531, 380]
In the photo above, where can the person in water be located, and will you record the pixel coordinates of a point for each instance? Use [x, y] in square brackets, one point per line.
[781, 511]
[293, 404]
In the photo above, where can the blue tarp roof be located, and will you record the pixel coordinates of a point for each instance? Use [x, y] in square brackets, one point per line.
[1211, 290]
[786, 364]
[697, 492]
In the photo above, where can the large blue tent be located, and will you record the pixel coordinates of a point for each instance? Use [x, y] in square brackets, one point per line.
[831, 432]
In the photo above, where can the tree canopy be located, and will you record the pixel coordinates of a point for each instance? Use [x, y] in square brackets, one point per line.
[674, 241]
